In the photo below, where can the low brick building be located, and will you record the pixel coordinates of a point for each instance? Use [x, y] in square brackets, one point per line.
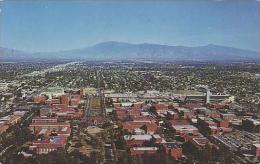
[149, 127]
[139, 140]
[143, 150]
[173, 150]
[39, 99]
[185, 129]
[48, 144]
[256, 149]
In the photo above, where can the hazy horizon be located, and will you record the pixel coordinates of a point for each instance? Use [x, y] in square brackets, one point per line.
[113, 41]
[46, 26]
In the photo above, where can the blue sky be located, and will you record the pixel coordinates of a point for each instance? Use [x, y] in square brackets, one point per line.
[51, 25]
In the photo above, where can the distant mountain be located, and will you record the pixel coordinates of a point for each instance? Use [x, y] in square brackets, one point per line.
[121, 50]
[10, 54]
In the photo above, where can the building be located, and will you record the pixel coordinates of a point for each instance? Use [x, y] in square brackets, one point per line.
[143, 150]
[172, 115]
[199, 143]
[149, 127]
[219, 98]
[185, 129]
[46, 128]
[198, 146]
[256, 150]
[120, 114]
[221, 122]
[207, 126]
[196, 98]
[206, 98]
[243, 141]
[64, 99]
[160, 108]
[39, 99]
[7, 121]
[10, 119]
[179, 122]
[45, 120]
[46, 111]
[173, 149]
[3, 127]
[51, 102]
[146, 118]
[48, 145]
[184, 112]
[139, 140]
[75, 100]
[227, 116]
[120, 97]
[251, 125]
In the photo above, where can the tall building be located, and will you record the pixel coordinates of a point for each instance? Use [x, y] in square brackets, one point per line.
[208, 94]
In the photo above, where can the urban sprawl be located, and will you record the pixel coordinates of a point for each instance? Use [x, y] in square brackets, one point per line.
[129, 112]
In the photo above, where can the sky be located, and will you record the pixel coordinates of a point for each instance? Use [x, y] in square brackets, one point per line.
[53, 25]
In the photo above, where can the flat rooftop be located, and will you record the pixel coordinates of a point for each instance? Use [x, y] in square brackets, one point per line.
[144, 148]
[141, 137]
[184, 127]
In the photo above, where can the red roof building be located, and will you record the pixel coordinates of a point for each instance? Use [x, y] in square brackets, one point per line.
[39, 99]
[143, 119]
[45, 128]
[48, 144]
[173, 150]
[64, 99]
[256, 149]
[227, 116]
[185, 112]
[45, 120]
[185, 129]
[133, 113]
[143, 150]
[50, 102]
[120, 114]
[191, 106]
[179, 122]
[221, 122]
[139, 140]
[149, 127]
[161, 107]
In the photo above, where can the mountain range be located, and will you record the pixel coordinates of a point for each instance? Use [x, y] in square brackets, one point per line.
[121, 50]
